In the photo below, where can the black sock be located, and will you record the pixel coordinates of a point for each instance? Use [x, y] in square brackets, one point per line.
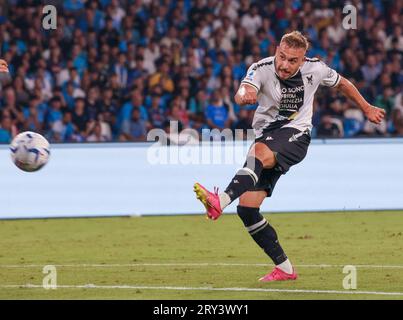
[245, 178]
[263, 233]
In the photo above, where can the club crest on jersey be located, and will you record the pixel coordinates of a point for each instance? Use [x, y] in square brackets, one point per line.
[249, 76]
[310, 79]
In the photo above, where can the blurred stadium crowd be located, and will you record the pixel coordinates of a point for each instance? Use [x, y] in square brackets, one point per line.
[113, 70]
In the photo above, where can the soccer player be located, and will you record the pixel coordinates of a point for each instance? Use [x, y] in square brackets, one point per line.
[284, 86]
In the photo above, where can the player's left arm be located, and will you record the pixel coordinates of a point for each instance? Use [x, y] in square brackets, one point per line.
[374, 114]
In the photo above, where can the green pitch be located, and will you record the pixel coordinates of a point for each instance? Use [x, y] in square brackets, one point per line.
[189, 257]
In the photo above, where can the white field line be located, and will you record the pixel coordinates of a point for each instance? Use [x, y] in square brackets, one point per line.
[218, 264]
[92, 286]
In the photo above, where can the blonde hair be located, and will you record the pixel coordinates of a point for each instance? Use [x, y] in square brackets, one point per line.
[295, 39]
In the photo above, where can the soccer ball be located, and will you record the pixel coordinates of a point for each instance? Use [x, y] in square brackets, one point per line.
[29, 151]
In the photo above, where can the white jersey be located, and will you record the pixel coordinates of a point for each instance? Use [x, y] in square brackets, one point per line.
[287, 103]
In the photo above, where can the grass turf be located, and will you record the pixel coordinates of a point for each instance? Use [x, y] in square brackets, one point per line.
[337, 239]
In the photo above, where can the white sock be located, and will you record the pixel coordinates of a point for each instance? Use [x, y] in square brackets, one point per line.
[224, 200]
[286, 266]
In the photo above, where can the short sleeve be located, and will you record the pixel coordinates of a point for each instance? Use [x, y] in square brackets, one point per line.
[254, 77]
[330, 77]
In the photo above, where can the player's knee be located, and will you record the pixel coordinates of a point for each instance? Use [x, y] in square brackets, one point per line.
[252, 199]
[264, 154]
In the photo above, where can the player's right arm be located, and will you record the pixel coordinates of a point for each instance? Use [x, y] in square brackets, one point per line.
[246, 94]
[250, 86]
[3, 66]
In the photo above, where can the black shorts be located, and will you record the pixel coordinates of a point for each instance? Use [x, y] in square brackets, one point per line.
[290, 146]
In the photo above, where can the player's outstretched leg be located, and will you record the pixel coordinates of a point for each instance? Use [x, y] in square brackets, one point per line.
[265, 236]
[259, 156]
[210, 200]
